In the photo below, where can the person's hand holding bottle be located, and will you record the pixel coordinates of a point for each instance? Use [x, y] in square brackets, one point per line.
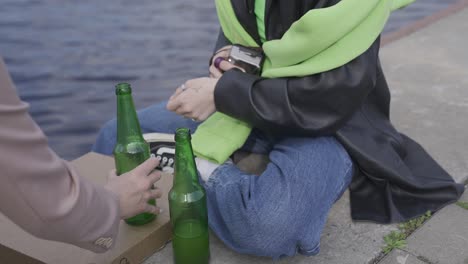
[134, 189]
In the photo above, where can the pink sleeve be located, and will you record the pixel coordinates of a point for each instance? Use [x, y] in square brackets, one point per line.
[41, 192]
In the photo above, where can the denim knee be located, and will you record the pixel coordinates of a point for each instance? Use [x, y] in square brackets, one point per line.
[274, 236]
[283, 211]
[106, 138]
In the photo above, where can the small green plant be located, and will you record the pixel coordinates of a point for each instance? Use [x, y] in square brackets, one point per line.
[410, 226]
[397, 239]
[463, 205]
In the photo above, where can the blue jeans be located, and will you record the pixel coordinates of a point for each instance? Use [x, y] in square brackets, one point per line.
[279, 213]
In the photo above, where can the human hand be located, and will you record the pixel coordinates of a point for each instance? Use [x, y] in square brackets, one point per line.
[194, 99]
[220, 64]
[221, 53]
[134, 189]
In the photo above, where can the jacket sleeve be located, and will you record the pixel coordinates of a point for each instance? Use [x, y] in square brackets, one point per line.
[314, 105]
[41, 192]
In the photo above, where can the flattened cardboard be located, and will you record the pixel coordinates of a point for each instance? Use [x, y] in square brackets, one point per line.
[133, 245]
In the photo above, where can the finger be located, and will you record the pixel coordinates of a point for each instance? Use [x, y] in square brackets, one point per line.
[173, 104]
[150, 194]
[172, 97]
[215, 72]
[223, 52]
[152, 209]
[154, 176]
[176, 93]
[181, 105]
[223, 55]
[153, 194]
[183, 112]
[147, 167]
[227, 47]
[224, 49]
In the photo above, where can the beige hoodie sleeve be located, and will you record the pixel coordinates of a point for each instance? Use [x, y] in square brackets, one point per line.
[41, 192]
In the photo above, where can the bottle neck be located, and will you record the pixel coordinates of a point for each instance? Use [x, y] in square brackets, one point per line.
[128, 127]
[185, 169]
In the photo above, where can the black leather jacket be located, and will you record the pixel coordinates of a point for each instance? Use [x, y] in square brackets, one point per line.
[395, 179]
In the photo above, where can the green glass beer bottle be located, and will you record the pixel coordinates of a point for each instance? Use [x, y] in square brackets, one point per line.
[187, 206]
[131, 149]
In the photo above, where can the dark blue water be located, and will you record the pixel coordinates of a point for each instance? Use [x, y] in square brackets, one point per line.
[66, 56]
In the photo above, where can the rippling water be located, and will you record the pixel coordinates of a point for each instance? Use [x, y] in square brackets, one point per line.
[66, 56]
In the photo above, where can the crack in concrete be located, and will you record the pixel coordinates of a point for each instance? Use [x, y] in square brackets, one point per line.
[419, 257]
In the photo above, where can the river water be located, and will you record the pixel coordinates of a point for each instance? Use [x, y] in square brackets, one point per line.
[65, 56]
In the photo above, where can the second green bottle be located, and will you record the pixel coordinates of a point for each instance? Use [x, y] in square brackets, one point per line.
[187, 205]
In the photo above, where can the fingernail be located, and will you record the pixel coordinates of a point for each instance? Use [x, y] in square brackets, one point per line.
[160, 211]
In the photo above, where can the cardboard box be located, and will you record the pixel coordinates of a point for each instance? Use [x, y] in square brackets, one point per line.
[133, 245]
